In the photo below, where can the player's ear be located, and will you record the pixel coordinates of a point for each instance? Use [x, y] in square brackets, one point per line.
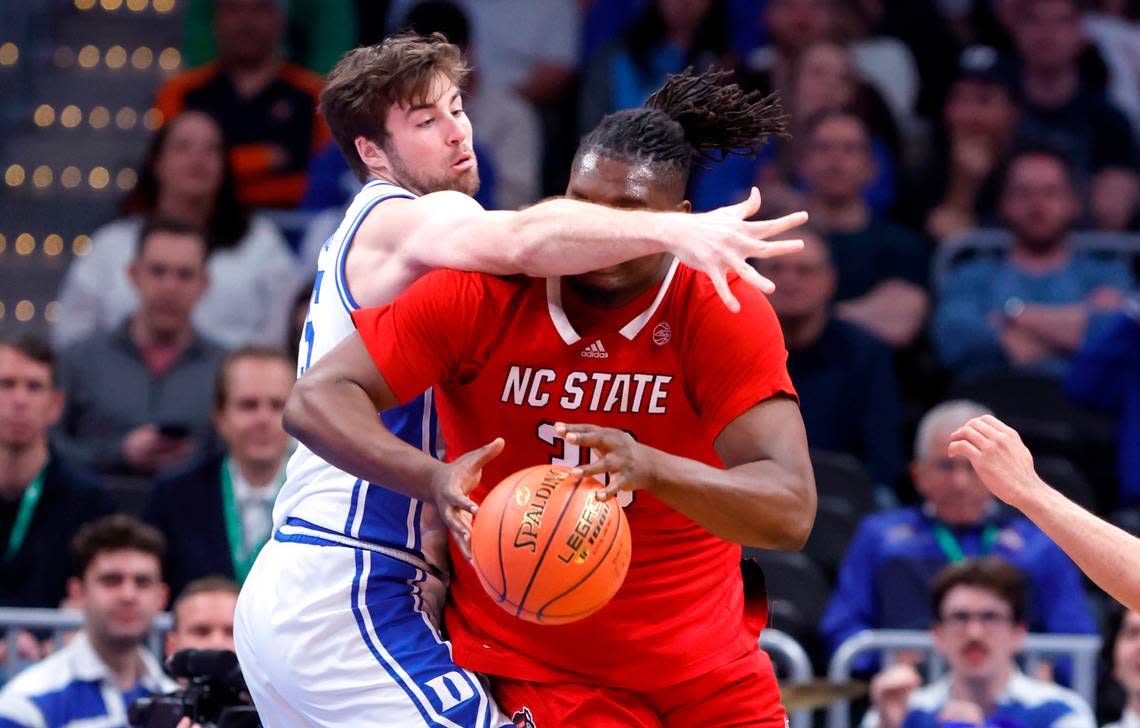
[685, 206]
[371, 154]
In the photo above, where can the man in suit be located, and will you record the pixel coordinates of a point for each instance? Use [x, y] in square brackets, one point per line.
[216, 513]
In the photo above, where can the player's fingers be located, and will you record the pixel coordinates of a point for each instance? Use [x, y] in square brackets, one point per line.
[459, 532]
[764, 229]
[998, 425]
[963, 449]
[722, 289]
[607, 464]
[981, 425]
[744, 209]
[972, 436]
[563, 429]
[774, 248]
[596, 437]
[754, 279]
[487, 453]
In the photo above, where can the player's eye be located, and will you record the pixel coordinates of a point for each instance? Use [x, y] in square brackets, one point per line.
[426, 123]
[458, 113]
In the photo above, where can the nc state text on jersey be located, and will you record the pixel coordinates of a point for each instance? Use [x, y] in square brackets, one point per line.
[597, 391]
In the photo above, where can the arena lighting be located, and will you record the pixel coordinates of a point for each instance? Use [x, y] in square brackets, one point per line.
[64, 57]
[163, 6]
[98, 178]
[81, 245]
[142, 58]
[99, 117]
[9, 54]
[42, 177]
[126, 179]
[3, 242]
[25, 310]
[84, 4]
[152, 119]
[111, 5]
[25, 244]
[14, 175]
[70, 116]
[70, 177]
[88, 56]
[169, 59]
[116, 57]
[44, 115]
[53, 245]
[136, 6]
[1, 310]
[51, 312]
[126, 118]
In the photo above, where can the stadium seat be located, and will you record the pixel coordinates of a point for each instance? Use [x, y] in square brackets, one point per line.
[835, 524]
[842, 477]
[797, 594]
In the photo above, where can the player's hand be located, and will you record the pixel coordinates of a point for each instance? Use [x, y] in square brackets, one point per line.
[452, 484]
[723, 240]
[998, 455]
[890, 690]
[630, 465]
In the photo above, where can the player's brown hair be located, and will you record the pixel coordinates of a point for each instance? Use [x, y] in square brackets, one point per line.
[989, 573]
[222, 377]
[367, 81]
[117, 532]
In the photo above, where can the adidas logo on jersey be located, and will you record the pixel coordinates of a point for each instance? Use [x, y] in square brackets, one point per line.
[595, 351]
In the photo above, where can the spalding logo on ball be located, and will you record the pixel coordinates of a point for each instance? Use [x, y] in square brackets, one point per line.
[546, 550]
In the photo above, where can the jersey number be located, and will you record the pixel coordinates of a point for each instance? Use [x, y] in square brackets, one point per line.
[310, 333]
[571, 456]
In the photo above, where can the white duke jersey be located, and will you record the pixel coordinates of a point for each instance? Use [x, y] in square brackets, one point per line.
[319, 503]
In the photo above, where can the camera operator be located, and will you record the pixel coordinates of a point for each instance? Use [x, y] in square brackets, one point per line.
[119, 586]
[203, 616]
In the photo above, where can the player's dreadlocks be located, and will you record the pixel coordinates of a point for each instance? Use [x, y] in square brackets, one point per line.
[693, 116]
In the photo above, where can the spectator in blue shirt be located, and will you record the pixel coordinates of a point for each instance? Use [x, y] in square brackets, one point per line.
[1105, 374]
[979, 627]
[106, 667]
[845, 377]
[1034, 308]
[885, 577]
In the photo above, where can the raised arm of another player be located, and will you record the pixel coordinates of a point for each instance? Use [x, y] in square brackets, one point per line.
[554, 238]
[764, 498]
[332, 410]
[1104, 552]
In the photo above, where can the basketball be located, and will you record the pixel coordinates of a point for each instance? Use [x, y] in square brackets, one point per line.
[546, 550]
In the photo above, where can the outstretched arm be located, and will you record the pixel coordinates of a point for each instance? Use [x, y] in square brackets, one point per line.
[1104, 552]
[764, 497]
[559, 237]
[332, 410]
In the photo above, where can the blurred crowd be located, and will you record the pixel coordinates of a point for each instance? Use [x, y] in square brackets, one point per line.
[972, 172]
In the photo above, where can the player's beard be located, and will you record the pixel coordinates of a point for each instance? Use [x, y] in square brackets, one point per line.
[422, 183]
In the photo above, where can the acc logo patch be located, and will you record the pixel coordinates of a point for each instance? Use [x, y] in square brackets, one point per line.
[523, 719]
[662, 332]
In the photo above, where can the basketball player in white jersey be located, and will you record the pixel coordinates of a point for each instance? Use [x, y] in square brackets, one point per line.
[337, 622]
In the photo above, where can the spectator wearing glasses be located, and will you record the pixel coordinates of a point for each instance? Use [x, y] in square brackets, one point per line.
[886, 575]
[979, 627]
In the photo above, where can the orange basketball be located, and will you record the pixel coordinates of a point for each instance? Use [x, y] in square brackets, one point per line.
[546, 550]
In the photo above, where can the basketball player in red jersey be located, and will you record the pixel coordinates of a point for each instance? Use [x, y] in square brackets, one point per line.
[689, 405]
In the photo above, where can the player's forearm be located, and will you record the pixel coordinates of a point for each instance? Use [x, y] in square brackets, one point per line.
[1105, 553]
[338, 422]
[557, 237]
[760, 504]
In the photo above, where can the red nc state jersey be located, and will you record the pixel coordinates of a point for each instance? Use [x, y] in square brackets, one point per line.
[673, 368]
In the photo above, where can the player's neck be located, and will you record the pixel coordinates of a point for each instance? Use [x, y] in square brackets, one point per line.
[195, 211]
[840, 216]
[19, 465]
[121, 658]
[801, 332]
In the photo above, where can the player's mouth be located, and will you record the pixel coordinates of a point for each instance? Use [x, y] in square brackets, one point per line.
[975, 654]
[467, 161]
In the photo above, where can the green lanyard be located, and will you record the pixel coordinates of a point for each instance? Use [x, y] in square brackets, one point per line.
[235, 532]
[953, 550]
[28, 503]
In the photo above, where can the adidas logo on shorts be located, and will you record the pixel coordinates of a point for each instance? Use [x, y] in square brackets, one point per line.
[595, 351]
